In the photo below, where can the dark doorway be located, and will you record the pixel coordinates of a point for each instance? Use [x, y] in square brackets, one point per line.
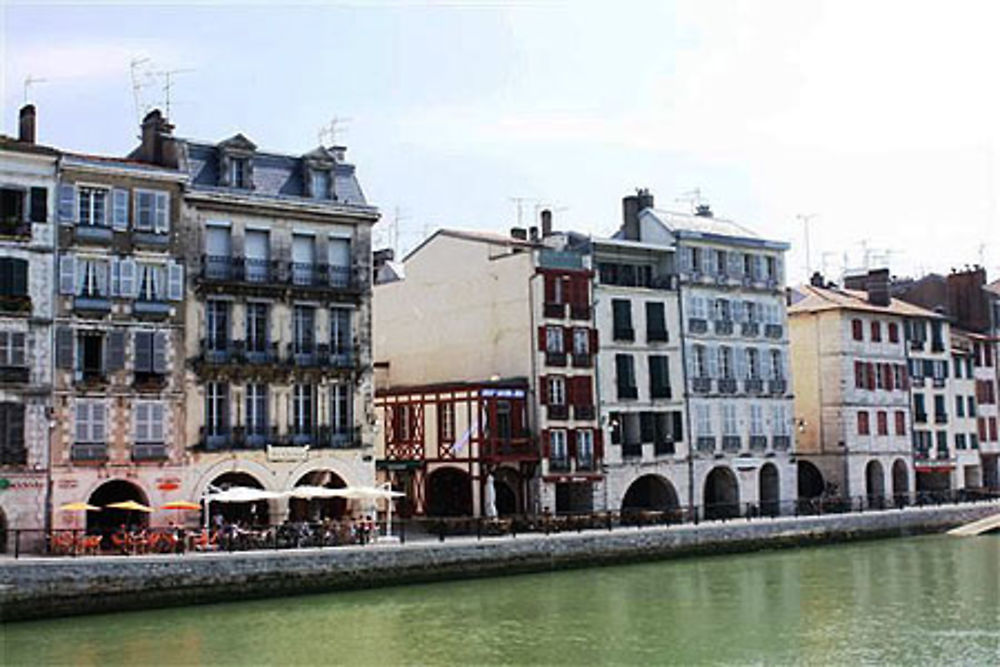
[810, 481]
[875, 484]
[770, 490]
[506, 498]
[449, 493]
[108, 521]
[318, 509]
[900, 482]
[722, 494]
[245, 514]
[650, 492]
[574, 497]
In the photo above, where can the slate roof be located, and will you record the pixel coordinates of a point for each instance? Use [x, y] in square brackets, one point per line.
[993, 287]
[813, 299]
[688, 225]
[274, 175]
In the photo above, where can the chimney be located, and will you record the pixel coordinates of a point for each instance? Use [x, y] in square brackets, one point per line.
[519, 233]
[26, 131]
[704, 211]
[158, 145]
[546, 223]
[878, 287]
[533, 233]
[816, 280]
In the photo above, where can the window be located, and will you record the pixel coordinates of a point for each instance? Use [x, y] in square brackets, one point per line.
[893, 332]
[91, 278]
[148, 422]
[625, 376]
[13, 278]
[900, 422]
[554, 340]
[339, 260]
[780, 423]
[882, 422]
[11, 206]
[697, 308]
[622, 311]
[256, 410]
[581, 341]
[340, 332]
[12, 349]
[856, 330]
[777, 365]
[863, 426]
[12, 446]
[659, 376]
[256, 328]
[726, 362]
[756, 419]
[753, 363]
[971, 403]
[257, 256]
[150, 352]
[584, 447]
[340, 409]
[217, 325]
[919, 408]
[557, 390]
[302, 411]
[304, 329]
[557, 445]
[860, 375]
[401, 422]
[959, 406]
[93, 206]
[446, 422]
[959, 441]
[320, 184]
[239, 173]
[151, 211]
[703, 420]
[940, 412]
[152, 284]
[90, 422]
[303, 259]
[722, 310]
[216, 409]
[730, 425]
[876, 332]
[700, 361]
[752, 311]
[656, 322]
[90, 353]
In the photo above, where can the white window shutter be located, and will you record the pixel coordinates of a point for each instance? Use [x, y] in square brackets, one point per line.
[156, 422]
[97, 420]
[160, 352]
[67, 203]
[127, 284]
[119, 212]
[175, 281]
[67, 274]
[116, 276]
[82, 430]
[162, 218]
[713, 361]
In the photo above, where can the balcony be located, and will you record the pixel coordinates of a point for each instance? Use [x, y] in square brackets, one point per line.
[93, 234]
[758, 443]
[696, 325]
[705, 444]
[150, 240]
[724, 327]
[631, 450]
[937, 346]
[920, 417]
[94, 305]
[518, 447]
[12, 304]
[15, 229]
[660, 391]
[664, 282]
[731, 443]
[258, 354]
[90, 452]
[559, 464]
[583, 412]
[775, 331]
[91, 378]
[152, 451]
[579, 311]
[585, 462]
[777, 387]
[917, 381]
[939, 383]
[549, 258]
[917, 345]
[220, 352]
[339, 438]
[555, 359]
[940, 418]
[623, 333]
[149, 381]
[303, 355]
[151, 309]
[754, 386]
[14, 374]
[727, 386]
[701, 385]
[657, 336]
[582, 360]
[554, 310]
[626, 392]
[781, 443]
[750, 329]
[260, 272]
[557, 412]
[663, 447]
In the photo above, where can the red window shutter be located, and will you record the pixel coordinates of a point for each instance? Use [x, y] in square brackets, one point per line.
[905, 373]
[981, 424]
[550, 288]
[567, 334]
[871, 375]
[857, 330]
[889, 380]
[599, 443]
[900, 422]
[584, 391]
[545, 443]
[570, 391]
[541, 339]
[593, 341]
[993, 428]
[543, 390]
[571, 442]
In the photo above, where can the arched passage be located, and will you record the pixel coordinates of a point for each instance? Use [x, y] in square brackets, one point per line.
[810, 480]
[770, 492]
[108, 521]
[246, 514]
[874, 483]
[900, 482]
[722, 494]
[650, 492]
[506, 497]
[317, 509]
[449, 493]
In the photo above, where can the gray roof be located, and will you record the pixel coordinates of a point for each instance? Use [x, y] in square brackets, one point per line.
[274, 175]
[688, 225]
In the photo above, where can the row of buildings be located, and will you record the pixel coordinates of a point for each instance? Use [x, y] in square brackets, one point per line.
[199, 315]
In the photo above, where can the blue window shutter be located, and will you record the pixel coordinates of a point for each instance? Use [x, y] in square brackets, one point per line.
[119, 212]
[162, 217]
[67, 203]
[175, 281]
[127, 278]
[64, 347]
[160, 352]
[67, 274]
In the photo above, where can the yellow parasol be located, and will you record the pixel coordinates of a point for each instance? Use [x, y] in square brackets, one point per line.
[79, 507]
[181, 505]
[130, 505]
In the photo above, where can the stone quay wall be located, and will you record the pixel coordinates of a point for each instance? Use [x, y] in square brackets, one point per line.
[48, 587]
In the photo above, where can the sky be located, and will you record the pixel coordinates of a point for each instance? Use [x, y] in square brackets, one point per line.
[876, 125]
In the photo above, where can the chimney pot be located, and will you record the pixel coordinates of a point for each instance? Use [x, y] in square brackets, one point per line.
[519, 233]
[546, 223]
[704, 211]
[26, 129]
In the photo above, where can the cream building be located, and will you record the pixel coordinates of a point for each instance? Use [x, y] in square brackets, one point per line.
[968, 473]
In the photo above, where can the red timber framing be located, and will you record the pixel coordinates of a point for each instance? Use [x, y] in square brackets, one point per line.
[472, 428]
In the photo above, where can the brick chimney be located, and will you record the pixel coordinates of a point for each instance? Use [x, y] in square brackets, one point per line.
[158, 145]
[26, 129]
[631, 206]
[546, 223]
[877, 286]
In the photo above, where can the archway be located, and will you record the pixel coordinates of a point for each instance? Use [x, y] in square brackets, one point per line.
[874, 484]
[108, 521]
[722, 494]
[449, 493]
[900, 482]
[650, 492]
[318, 509]
[245, 514]
[810, 481]
[506, 497]
[770, 492]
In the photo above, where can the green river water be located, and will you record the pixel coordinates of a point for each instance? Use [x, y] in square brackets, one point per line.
[920, 601]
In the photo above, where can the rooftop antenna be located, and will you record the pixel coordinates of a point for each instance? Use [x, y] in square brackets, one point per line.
[29, 81]
[805, 218]
[331, 130]
[168, 85]
[520, 202]
[142, 77]
[692, 197]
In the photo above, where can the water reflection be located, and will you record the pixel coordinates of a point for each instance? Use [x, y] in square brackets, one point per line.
[918, 601]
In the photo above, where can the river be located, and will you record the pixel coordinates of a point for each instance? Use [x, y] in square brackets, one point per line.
[924, 600]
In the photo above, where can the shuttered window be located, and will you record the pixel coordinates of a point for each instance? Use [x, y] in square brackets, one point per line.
[90, 420]
[12, 349]
[13, 277]
[149, 416]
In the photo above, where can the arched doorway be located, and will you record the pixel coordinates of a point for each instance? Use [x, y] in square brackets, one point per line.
[874, 484]
[900, 483]
[506, 497]
[770, 492]
[449, 493]
[245, 514]
[108, 521]
[318, 509]
[650, 492]
[810, 481]
[722, 494]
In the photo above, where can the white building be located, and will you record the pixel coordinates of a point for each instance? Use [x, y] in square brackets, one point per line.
[962, 426]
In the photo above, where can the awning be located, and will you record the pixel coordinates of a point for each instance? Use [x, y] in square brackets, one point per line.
[307, 492]
[241, 494]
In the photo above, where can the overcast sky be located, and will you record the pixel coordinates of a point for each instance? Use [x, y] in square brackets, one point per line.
[880, 119]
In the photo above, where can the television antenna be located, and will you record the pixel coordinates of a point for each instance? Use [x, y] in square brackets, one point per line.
[805, 218]
[519, 202]
[168, 85]
[29, 81]
[141, 78]
[692, 198]
[330, 131]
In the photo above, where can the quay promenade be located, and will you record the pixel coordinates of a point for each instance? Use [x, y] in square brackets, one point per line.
[41, 587]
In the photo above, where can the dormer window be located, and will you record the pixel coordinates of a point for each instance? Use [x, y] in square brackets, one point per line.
[320, 184]
[239, 173]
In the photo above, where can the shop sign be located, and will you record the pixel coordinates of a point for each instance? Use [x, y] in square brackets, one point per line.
[4, 483]
[67, 484]
[287, 454]
[168, 483]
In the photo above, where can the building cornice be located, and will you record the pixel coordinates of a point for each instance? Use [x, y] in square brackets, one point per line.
[229, 201]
